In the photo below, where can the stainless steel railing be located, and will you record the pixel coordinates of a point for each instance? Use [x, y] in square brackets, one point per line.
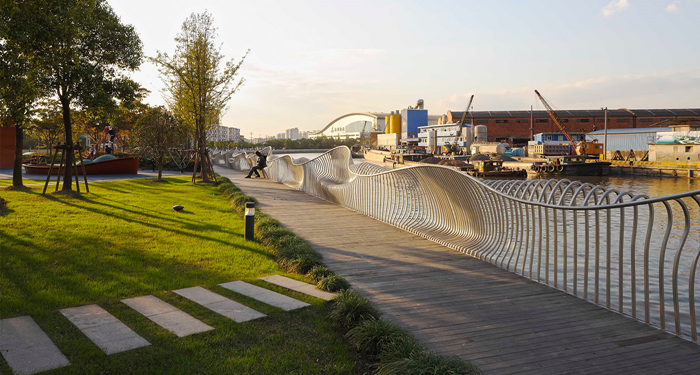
[631, 254]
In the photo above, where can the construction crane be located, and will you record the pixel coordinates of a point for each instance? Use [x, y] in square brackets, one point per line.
[454, 148]
[580, 148]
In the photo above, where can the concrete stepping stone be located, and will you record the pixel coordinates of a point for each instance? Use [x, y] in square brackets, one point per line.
[264, 295]
[167, 316]
[103, 329]
[298, 286]
[220, 304]
[26, 348]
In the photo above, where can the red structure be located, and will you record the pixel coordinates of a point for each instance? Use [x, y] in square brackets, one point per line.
[514, 126]
[7, 146]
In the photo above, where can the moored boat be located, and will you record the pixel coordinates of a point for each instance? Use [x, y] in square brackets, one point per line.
[574, 166]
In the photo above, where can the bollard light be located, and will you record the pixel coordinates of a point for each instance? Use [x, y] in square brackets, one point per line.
[249, 221]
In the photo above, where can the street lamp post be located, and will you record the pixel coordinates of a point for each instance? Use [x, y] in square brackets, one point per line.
[605, 136]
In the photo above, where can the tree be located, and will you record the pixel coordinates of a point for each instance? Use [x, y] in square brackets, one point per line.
[48, 124]
[19, 90]
[155, 133]
[197, 87]
[82, 51]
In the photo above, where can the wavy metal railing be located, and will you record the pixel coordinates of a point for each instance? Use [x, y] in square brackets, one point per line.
[619, 250]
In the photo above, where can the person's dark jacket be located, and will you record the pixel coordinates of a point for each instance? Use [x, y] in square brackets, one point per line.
[262, 161]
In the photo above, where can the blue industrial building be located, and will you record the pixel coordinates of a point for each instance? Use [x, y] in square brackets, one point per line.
[411, 119]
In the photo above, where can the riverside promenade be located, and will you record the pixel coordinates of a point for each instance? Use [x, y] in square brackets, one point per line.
[458, 305]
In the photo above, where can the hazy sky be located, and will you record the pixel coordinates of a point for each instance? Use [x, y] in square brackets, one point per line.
[312, 61]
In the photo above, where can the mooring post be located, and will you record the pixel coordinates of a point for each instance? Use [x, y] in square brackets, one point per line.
[249, 221]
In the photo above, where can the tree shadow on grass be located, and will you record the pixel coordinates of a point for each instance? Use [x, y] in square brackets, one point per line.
[200, 227]
[37, 279]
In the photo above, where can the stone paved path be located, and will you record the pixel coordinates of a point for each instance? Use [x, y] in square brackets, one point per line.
[265, 295]
[220, 304]
[298, 286]
[103, 329]
[458, 305]
[26, 348]
[167, 316]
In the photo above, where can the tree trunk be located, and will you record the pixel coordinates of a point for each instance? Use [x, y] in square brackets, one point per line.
[68, 172]
[17, 167]
[203, 157]
[160, 170]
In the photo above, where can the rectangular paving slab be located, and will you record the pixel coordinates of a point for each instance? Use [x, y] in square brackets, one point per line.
[298, 286]
[220, 304]
[264, 295]
[26, 348]
[167, 316]
[103, 329]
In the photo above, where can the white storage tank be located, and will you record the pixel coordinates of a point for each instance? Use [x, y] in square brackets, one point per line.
[488, 148]
[480, 134]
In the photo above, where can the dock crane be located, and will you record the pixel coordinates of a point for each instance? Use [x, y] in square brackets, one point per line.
[454, 148]
[580, 148]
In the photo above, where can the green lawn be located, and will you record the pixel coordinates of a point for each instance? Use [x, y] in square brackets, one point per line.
[124, 240]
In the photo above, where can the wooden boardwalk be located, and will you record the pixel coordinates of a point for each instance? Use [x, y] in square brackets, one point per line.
[458, 305]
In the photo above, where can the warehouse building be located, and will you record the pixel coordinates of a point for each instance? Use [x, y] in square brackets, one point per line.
[515, 128]
[627, 139]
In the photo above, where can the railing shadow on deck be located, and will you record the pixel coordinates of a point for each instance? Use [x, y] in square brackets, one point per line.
[629, 253]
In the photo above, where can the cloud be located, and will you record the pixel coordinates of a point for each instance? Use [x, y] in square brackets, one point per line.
[614, 7]
[673, 7]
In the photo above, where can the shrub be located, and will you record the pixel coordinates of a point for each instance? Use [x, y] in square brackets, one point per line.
[239, 201]
[372, 335]
[399, 347]
[427, 363]
[300, 264]
[333, 283]
[350, 308]
[273, 236]
[264, 224]
[319, 272]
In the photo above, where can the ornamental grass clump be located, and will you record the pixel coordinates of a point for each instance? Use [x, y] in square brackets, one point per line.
[350, 308]
[264, 223]
[399, 347]
[301, 264]
[371, 336]
[274, 236]
[319, 272]
[333, 283]
[427, 363]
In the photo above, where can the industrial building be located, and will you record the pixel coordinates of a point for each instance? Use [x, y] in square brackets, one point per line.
[515, 127]
[445, 134]
[679, 145]
[627, 139]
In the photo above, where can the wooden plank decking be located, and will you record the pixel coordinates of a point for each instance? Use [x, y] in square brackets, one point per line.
[458, 305]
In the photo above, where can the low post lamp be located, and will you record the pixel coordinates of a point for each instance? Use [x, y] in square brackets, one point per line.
[249, 221]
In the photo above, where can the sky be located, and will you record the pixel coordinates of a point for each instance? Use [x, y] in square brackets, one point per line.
[312, 61]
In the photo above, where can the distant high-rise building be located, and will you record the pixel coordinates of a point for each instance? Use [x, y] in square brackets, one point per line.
[292, 133]
[219, 133]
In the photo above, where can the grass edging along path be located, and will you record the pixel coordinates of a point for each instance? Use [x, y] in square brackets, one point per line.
[393, 349]
[124, 240]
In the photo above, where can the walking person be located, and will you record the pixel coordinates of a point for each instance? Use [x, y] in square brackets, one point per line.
[262, 163]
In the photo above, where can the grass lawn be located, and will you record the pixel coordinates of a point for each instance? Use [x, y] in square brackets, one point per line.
[124, 240]
[30, 181]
